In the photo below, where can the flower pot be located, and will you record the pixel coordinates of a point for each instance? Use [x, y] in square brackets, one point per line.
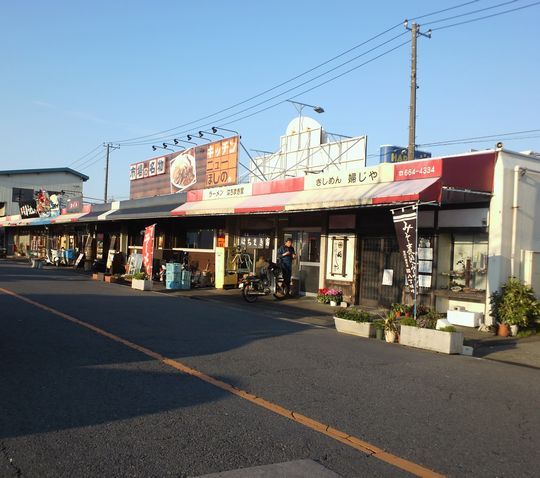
[344, 304]
[514, 330]
[503, 330]
[379, 334]
[333, 303]
[390, 336]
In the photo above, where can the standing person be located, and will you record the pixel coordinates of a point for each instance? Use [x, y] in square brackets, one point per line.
[286, 254]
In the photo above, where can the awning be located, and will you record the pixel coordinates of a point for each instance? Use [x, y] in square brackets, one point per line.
[428, 189]
[63, 218]
[461, 196]
[316, 199]
[14, 221]
[142, 212]
[208, 207]
[265, 203]
[92, 216]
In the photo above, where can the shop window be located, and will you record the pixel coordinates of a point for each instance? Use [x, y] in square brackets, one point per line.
[198, 239]
[466, 271]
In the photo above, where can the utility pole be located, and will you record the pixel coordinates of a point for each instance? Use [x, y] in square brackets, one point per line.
[109, 146]
[415, 30]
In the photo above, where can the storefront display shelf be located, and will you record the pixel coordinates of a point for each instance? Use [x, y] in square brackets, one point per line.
[472, 296]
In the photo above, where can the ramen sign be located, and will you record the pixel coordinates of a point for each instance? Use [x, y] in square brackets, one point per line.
[205, 166]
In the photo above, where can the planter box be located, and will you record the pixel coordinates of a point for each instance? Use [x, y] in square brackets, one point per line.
[429, 339]
[142, 284]
[111, 279]
[362, 329]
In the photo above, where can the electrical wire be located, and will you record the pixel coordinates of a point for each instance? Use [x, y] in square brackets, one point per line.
[472, 12]
[218, 121]
[486, 16]
[87, 154]
[323, 83]
[291, 89]
[444, 10]
[474, 138]
[93, 162]
[481, 141]
[82, 165]
[293, 78]
[135, 143]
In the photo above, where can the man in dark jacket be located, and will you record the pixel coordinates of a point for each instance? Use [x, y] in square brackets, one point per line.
[285, 255]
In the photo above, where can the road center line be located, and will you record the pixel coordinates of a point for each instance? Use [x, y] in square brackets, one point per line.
[327, 430]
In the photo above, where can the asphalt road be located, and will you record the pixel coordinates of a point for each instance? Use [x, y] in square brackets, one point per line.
[76, 403]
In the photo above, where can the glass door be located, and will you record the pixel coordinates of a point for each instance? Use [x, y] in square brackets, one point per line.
[306, 267]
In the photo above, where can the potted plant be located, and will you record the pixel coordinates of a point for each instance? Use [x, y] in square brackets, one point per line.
[515, 306]
[390, 327]
[354, 321]
[140, 281]
[379, 329]
[329, 296]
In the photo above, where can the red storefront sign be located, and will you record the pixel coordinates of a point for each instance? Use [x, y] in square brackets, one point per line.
[148, 249]
[429, 168]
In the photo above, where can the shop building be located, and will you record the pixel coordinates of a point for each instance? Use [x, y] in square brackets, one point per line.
[35, 193]
[478, 223]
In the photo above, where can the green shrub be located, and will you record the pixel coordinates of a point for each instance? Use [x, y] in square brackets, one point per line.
[358, 315]
[516, 304]
[428, 320]
[408, 321]
[448, 328]
[139, 276]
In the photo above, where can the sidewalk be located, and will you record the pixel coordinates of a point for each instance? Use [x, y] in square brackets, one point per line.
[516, 351]
[306, 310]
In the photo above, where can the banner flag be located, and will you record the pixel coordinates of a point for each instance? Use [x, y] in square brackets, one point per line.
[405, 223]
[148, 249]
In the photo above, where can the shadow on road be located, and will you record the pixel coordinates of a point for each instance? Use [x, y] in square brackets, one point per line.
[58, 375]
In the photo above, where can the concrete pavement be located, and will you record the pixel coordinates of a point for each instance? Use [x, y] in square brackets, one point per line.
[78, 404]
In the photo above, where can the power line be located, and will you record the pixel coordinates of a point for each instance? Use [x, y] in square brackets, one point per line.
[444, 10]
[474, 138]
[218, 121]
[482, 141]
[295, 87]
[471, 12]
[295, 77]
[82, 165]
[487, 16]
[95, 161]
[87, 154]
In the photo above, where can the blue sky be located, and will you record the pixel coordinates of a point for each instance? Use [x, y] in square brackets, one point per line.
[76, 74]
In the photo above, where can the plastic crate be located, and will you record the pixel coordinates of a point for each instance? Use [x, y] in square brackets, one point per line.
[173, 285]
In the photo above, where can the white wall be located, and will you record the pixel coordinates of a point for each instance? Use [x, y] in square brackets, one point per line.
[527, 231]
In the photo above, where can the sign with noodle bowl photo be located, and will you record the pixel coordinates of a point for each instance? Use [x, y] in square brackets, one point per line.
[205, 166]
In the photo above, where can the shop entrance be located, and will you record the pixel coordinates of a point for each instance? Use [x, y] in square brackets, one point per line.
[378, 254]
[306, 267]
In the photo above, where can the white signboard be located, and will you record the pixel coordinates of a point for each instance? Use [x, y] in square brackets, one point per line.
[388, 277]
[352, 177]
[238, 190]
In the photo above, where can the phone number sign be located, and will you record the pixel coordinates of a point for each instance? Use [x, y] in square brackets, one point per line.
[430, 168]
